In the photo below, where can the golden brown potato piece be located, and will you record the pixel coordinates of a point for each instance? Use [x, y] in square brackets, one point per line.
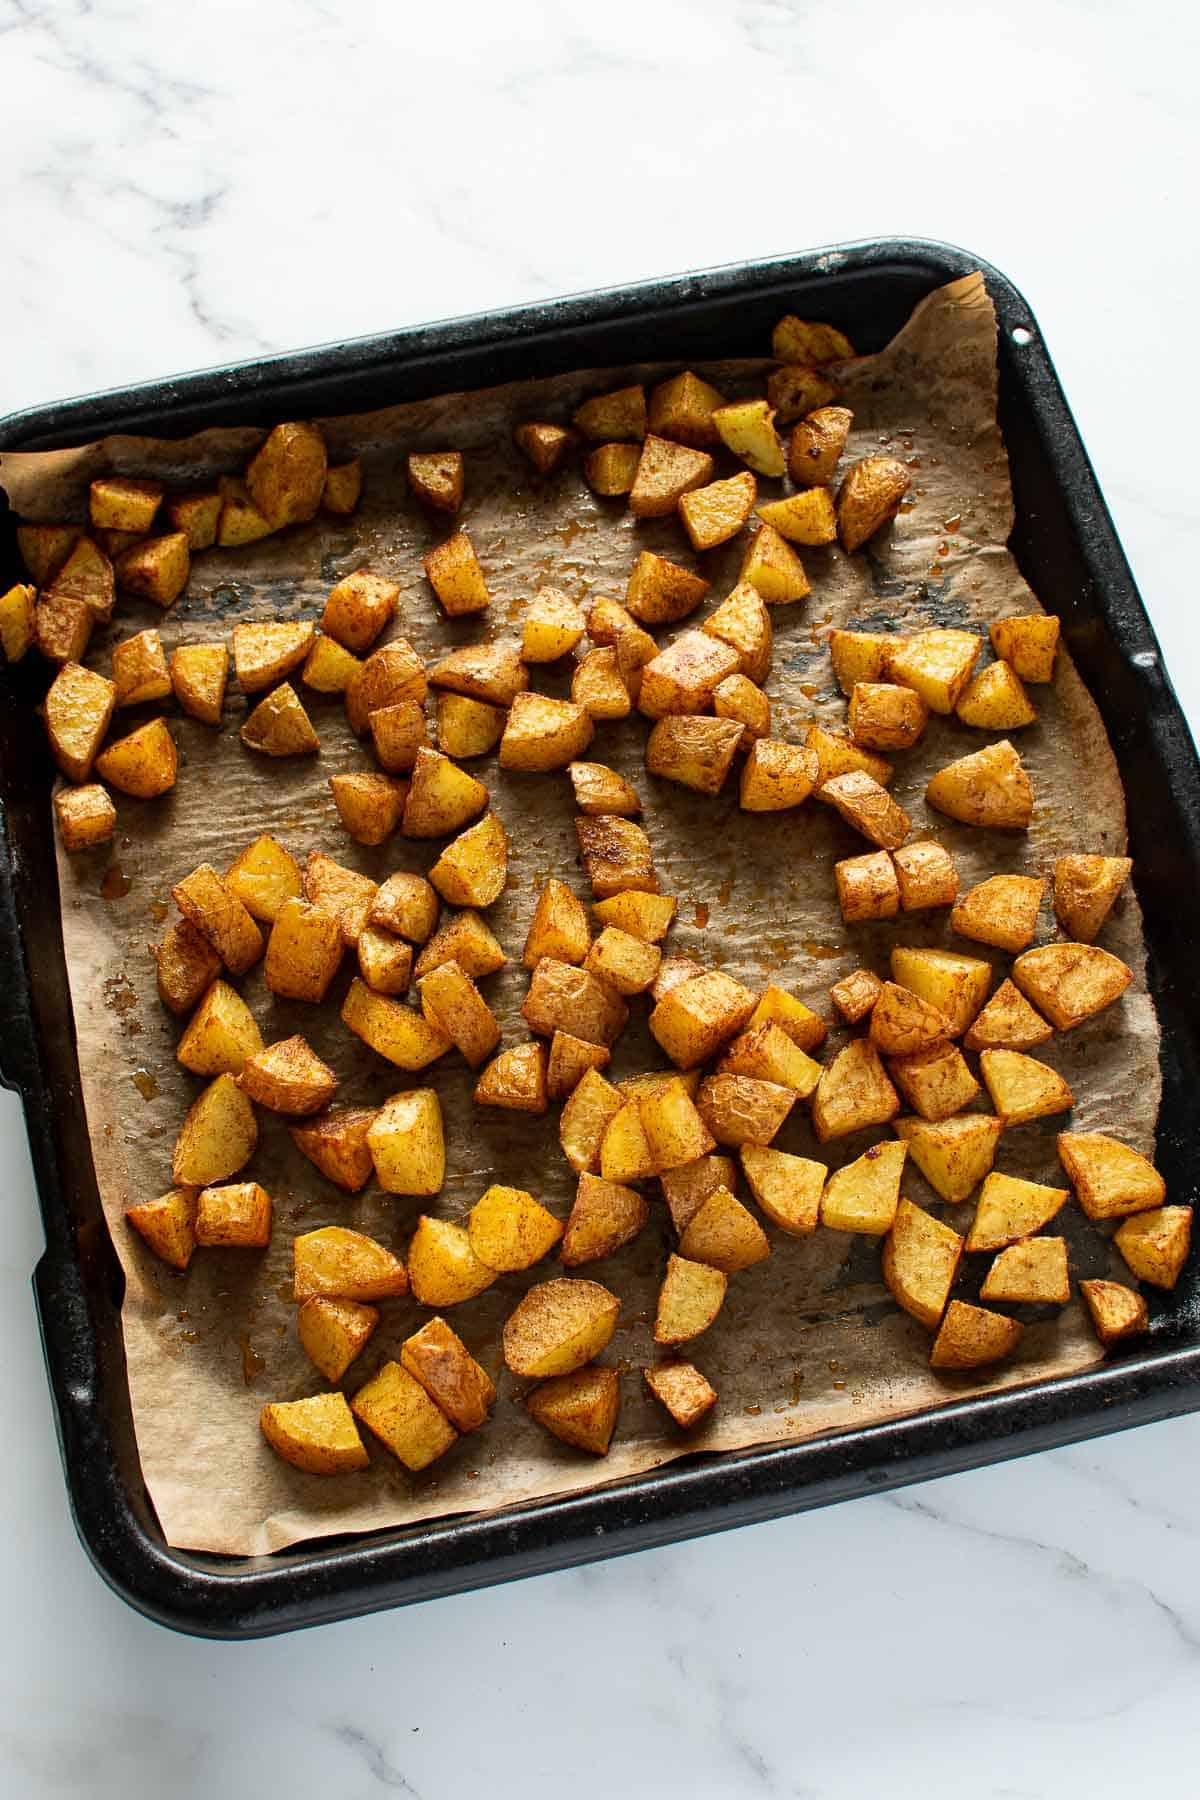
[85, 575]
[465, 728]
[926, 876]
[886, 717]
[605, 1217]
[738, 699]
[864, 1194]
[196, 516]
[157, 569]
[690, 1298]
[767, 1053]
[1028, 643]
[86, 816]
[598, 686]
[316, 1434]
[743, 622]
[970, 1336]
[304, 951]
[395, 1407]
[995, 701]
[777, 1007]
[344, 893]
[1116, 1311]
[288, 1077]
[722, 1234]
[772, 567]
[674, 1130]
[217, 1138]
[920, 1260]
[332, 1332]
[441, 796]
[442, 1267]
[358, 608]
[644, 916]
[552, 627]
[747, 427]
[664, 472]
[625, 962]
[625, 1152]
[853, 1092]
[816, 445]
[336, 1144]
[682, 408]
[187, 964]
[1085, 889]
[861, 657]
[563, 997]
[683, 1390]
[510, 1230]
[543, 733]
[776, 776]
[804, 518]
[712, 515]
[279, 726]
[617, 416]
[902, 1023]
[1109, 1178]
[867, 887]
[954, 1155]
[139, 667]
[79, 708]
[217, 913]
[558, 1326]
[515, 1080]
[686, 1189]
[869, 496]
[856, 994]
[167, 1225]
[221, 1034]
[616, 856]
[1030, 1274]
[695, 752]
[956, 986]
[787, 1188]
[18, 620]
[569, 1059]
[1010, 1209]
[455, 576]
[1003, 910]
[693, 1021]
[868, 806]
[344, 1265]
[795, 390]
[544, 443]
[473, 870]
[239, 521]
[437, 1357]
[673, 971]
[369, 805]
[1008, 1022]
[1022, 1088]
[465, 940]
[143, 764]
[937, 1082]
[436, 478]
[809, 342]
[580, 1408]
[62, 628]
[387, 678]
[407, 905]
[989, 787]
[451, 1002]
[559, 927]
[742, 1109]
[45, 548]
[237, 1216]
[684, 677]
[659, 593]
[407, 1143]
[1071, 982]
[264, 653]
[342, 489]
[611, 469]
[937, 665]
[837, 755]
[286, 477]
[585, 1119]
[199, 673]
[329, 669]
[396, 1032]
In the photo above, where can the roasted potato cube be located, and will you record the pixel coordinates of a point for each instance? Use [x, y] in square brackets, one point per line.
[674, 1131]
[196, 516]
[1070, 982]
[644, 916]
[544, 443]
[611, 469]
[861, 657]
[853, 1092]
[515, 1080]
[682, 408]
[288, 1077]
[920, 1260]
[143, 764]
[867, 887]
[79, 709]
[1008, 1022]
[399, 734]
[239, 521]
[936, 664]
[86, 816]
[199, 673]
[384, 960]
[395, 1407]
[816, 446]
[598, 687]
[455, 576]
[616, 856]
[45, 548]
[605, 1217]
[465, 940]
[358, 608]
[388, 676]
[837, 755]
[552, 627]
[279, 726]
[1031, 1274]
[868, 806]
[742, 1109]
[1002, 910]
[453, 1004]
[804, 518]
[580, 1408]
[747, 427]
[340, 1264]
[685, 1189]
[237, 1216]
[559, 928]
[935, 1082]
[585, 1118]
[625, 962]
[777, 1007]
[995, 701]
[407, 1144]
[441, 796]
[712, 515]
[856, 994]
[787, 1188]
[690, 1298]
[953, 1155]
[187, 965]
[304, 951]
[342, 892]
[956, 986]
[342, 488]
[664, 472]
[723, 1235]
[510, 1230]
[673, 971]
[157, 569]
[869, 496]
[369, 805]
[697, 1017]
[1109, 1178]
[1117, 1312]
[316, 1434]
[217, 1137]
[140, 669]
[332, 1332]
[437, 1357]
[1028, 643]
[393, 1031]
[743, 622]
[569, 1059]
[695, 752]
[1010, 1209]
[776, 776]
[795, 389]
[264, 653]
[465, 727]
[659, 593]
[684, 677]
[884, 716]
[87, 575]
[990, 788]
[473, 870]
[221, 1034]
[810, 342]
[1022, 1088]
[864, 1194]
[436, 478]
[215, 910]
[336, 1144]
[286, 477]
[767, 1053]
[736, 698]
[168, 1225]
[970, 1336]
[543, 733]
[558, 1326]
[683, 1390]
[902, 1023]
[926, 876]
[640, 1087]
[329, 667]
[18, 620]
[617, 416]
[1085, 888]
[625, 1150]
[772, 567]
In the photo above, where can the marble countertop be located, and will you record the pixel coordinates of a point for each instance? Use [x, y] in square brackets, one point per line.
[189, 185]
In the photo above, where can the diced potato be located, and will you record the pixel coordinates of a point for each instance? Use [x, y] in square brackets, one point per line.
[1071, 982]
[673, 971]
[868, 806]
[437, 1357]
[723, 1235]
[329, 668]
[684, 677]
[616, 856]
[837, 755]
[902, 1023]
[340, 1264]
[738, 699]
[690, 1298]
[336, 1144]
[436, 477]
[747, 427]
[407, 1144]
[712, 515]
[795, 390]
[682, 408]
[970, 1336]
[816, 445]
[869, 496]
[221, 1034]
[62, 627]
[559, 928]
[288, 1077]
[384, 960]
[598, 688]
[585, 1118]
[443, 1268]
[1002, 910]
[465, 727]
[743, 1109]
[358, 608]
[695, 752]
[86, 816]
[264, 653]
[617, 416]
[767, 1053]
[884, 716]
[387, 677]
[693, 1021]
[473, 870]
[569, 1059]
[369, 805]
[196, 516]
[674, 1130]
[926, 876]
[143, 764]
[777, 1007]
[743, 622]
[956, 986]
[343, 892]
[626, 963]
[996, 701]
[552, 627]
[1085, 889]
[804, 518]
[187, 964]
[864, 1194]
[79, 708]
[454, 1005]
[1010, 1209]
[543, 733]
[1116, 1311]
[510, 1230]
[787, 1188]
[18, 620]
[441, 796]
[316, 1434]
[139, 667]
[87, 575]
[279, 726]
[1031, 1274]
[683, 1390]
[856, 994]
[776, 776]
[286, 477]
[455, 576]
[45, 548]
[611, 469]
[399, 734]
[1109, 1178]
[990, 788]
[867, 887]
[393, 1031]
[1029, 643]
[861, 657]
[1022, 1088]
[853, 1092]
[199, 673]
[465, 939]
[239, 521]
[937, 664]
[168, 1225]
[920, 1260]
[660, 592]
[332, 1332]
[304, 951]
[954, 1155]
[771, 566]
[203, 898]
[395, 1407]
[515, 1080]
[936, 1083]
[342, 488]
[544, 443]
[217, 1138]
[645, 916]
[157, 569]
[1008, 1022]
[580, 1408]
[237, 1216]
[605, 1217]
[558, 1326]
[625, 1150]
[685, 1189]
[640, 1087]
[664, 472]
[809, 342]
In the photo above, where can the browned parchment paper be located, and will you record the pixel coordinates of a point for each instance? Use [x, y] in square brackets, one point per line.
[809, 1341]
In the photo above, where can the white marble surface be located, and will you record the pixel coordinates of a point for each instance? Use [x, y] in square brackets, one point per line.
[187, 184]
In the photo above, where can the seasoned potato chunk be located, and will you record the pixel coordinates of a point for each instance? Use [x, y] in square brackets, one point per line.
[343, 892]
[217, 1138]
[18, 620]
[772, 567]
[156, 569]
[286, 477]
[552, 626]
[853, 1092]
[86, 816]
[1002, 910]
[616, 856]
[332, 1332]
[387, 677]
[316, 1434]
[816, 445]
[515, 1080]
[585, 1118]
[767, 1053]
[407, 905]
[599, 789]
[665, 471]
[239, 520]
[1010, 1209]
[510, 1230]
[473, 870]
[864, 1194]
[660, 592]
[85, 576]
[563, 997]
[599, 688]
[995, 701]
[682, 408]
[617, 416]
[139, 667]
[787, 1188]
[625, 1150]
[544, 443]
[884, 716]
[491, 672]
[344, 1265]
[695, 752]
[920, 1260]
[393, 1031]
[187, 964]
[45, 548]
[971, 1336]
[436, 478]
[673, 971]
[776, 776]
[197, 516]
[1085, 889]
[288, 1077]
[869, 496]
[204, 899]
[690, 1298]
[935, 1082]
[1030, 1274]
[697, 1017]
[861, 657]
[777, 1007]
[867, 887]
[369, 805]
[956, 985]
[625, 962]
[712, 515]
[437, 1357]
[559, 927]
[747, 427]
[738, 699]
[580, 1408]
[926, 876]
[868, 806]
[342, 490]
[237, 1216]
[465, 940]
[400, 732]
[167, 1225]
[304, 951]
[1028, 643]
[989, 788]
[455, 576]
[954, 1155]
[558, 1326]
[809, 342]
[902, 1023]
[1109, 1178]
[264, 877]
[674, 1130]
[804, 518]
[685, 1189]
[794, 390]
[442, 1267]
[543, 733]
[1116, 1311]
[279, 726]
[837, 755]
[336, 1144]
[263, 653]
[741, 1109]
[610, 470]
[723, 1234]
[199, 673]
[465, 727]
[682, 1390]
[856, 994]
[644, 916]
[743, 622]
[1008, 1022]
[569, 1059]
[79, 708]
[937, 664]
[1071, 982]
[395, 1407]
[453, 1004]
[221, 1034]
[684, 677]
[62, 627]
[605, 1217]
[358, 608]
[441, 796]
[1022, 1088]
[143, 764]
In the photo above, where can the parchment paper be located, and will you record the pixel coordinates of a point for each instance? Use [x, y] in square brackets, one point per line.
[808, 1341]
